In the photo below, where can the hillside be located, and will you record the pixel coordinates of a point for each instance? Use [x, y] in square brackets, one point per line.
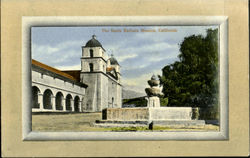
[129, 94]
[135, 102]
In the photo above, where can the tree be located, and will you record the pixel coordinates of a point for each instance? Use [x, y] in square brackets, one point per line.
[193, 80]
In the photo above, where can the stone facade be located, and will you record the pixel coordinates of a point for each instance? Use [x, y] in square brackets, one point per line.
[102, 76]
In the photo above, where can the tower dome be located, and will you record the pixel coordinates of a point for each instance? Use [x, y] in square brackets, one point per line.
[93, 42]
[113, 61]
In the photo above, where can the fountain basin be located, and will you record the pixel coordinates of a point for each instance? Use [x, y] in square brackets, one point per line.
[150, 113]
[175, 117]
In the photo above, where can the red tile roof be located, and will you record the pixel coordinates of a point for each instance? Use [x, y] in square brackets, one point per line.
[49, 68]
[109, 69]
[73, 73]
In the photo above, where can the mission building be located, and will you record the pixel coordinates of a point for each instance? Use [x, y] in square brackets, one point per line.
[95, 87]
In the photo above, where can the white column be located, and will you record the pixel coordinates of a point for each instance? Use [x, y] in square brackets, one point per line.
[53, 100]
[72, 104]
[64, 104]
[40, 101]
[80, 106]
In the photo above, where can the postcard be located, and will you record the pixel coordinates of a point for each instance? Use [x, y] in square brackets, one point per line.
[124, 78]
[114, 79]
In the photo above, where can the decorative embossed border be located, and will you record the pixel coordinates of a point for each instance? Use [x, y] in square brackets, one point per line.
[28, 22]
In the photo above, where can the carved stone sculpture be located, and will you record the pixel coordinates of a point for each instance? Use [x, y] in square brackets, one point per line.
[153, 93]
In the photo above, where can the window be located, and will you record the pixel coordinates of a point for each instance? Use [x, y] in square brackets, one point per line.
[112, 102]
[91, 67]
[91, 53]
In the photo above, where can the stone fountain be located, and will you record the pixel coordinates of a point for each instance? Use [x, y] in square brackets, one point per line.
[153, 114]
[153, 93]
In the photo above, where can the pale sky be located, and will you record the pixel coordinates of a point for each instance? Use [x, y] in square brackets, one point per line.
[140, 54]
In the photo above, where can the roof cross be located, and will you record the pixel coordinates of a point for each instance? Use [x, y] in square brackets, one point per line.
[94, 36]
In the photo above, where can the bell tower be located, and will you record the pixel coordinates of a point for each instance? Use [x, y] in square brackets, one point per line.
[94, 57]
[112, 62]
[93, 73]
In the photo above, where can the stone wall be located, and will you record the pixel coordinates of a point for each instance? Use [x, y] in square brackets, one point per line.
[98, 64]
[90, 98]
[43, 79]
[97, 52]
[140, 114]
[171, 113]
[126, 114]
[101, 89]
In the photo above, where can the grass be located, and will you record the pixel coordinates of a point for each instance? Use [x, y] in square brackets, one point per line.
[79, 122]
[128, 129]
[164, 129]
[205, 129]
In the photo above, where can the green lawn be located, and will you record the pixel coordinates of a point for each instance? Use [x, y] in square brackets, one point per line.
[79, 122]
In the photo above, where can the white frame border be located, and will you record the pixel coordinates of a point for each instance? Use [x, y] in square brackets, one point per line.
[28, 22]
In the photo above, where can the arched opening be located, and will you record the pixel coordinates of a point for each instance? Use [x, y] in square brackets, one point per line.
[47, 99]
[112, 102]
[91, 67]
[68, 102]
[35, 92]
[59, 101]
[76, 104]
[91, 52]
